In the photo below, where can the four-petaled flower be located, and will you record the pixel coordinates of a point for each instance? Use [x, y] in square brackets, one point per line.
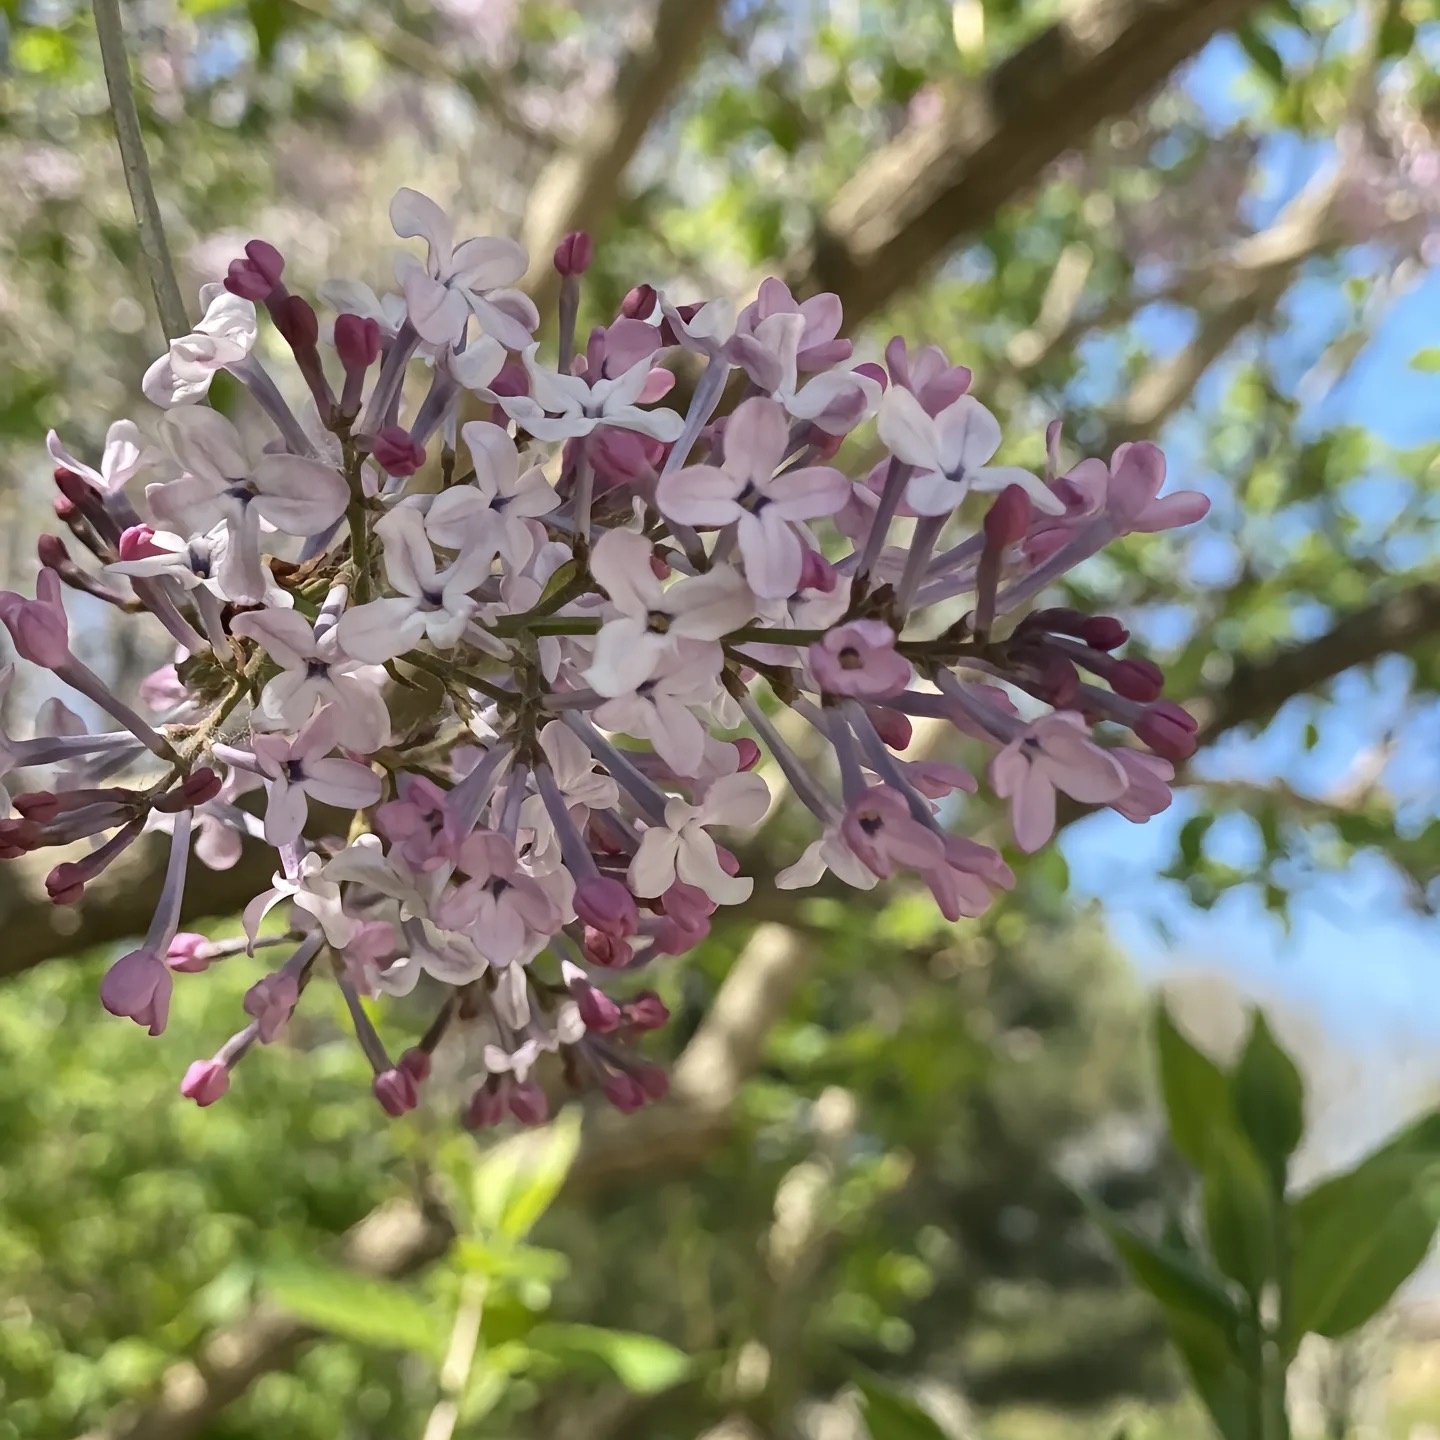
[564, 407]
[681, 848]
[225, 337]
[761, 504]
[124, 456]
[298, 772]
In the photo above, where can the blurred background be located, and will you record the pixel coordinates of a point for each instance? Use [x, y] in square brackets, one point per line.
[1211, 222]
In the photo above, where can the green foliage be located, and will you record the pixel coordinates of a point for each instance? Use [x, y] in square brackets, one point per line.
[890, 1414]
[1275, 1267]
[355, 1307]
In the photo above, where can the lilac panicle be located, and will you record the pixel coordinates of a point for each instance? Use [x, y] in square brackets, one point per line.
[487, 724]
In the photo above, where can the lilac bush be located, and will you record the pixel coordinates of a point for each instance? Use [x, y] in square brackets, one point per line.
[601, 601]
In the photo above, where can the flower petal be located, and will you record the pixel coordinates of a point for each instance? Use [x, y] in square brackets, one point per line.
[343, 783]
[285, 635]
[700, 495]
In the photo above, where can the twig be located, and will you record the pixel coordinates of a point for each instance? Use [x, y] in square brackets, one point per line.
[168, 304]
[459, 1361]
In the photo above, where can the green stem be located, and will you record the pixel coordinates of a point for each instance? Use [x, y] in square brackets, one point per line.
[168, 303]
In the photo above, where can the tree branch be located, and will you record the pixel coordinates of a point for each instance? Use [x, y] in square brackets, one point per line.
[904, 210]
[400, 1238]
[168, 303]
[578, 188]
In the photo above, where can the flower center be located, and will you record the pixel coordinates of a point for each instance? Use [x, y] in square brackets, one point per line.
[658, 622]
[851, 659]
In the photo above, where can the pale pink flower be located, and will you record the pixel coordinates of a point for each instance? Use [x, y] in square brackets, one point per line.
[1148, 778]
[1053, 753]
[564, 407]
[298, 771]
[860, 659]
[682, 849]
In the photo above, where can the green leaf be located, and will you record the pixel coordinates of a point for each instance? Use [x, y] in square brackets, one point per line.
[1263, 55]
[1269, 1098]
[356, 1307]
[1356, 1238]
[511, 1262]
[891, 1414]
[515, 1183]
[1195, 1090]
[1427, 359]
[641, 1363]
[1240, 1206]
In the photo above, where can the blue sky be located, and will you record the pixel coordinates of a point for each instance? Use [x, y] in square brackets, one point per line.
[1354, 957]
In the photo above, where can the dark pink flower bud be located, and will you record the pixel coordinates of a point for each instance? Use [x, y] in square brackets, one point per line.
[396, 1092]
[574, 253]
[749, 753]
[200, 786]
[41, 806]
[675, 937]
[396, 453]
[1008, 518]
[606, 905]
[189, 953]
[599, 1012]
[640, 303]
[729, 861]
[417, 1064]
[1168, 730]
[486, 1107]
[270, 1002]
[51, 552]
[296, 320]
[511, 381]
[65, 884]
[17, 837]
[624, 1092]
[357, 341]
[38, 627]
[653, 1081]
[528, 1104]
[647, 1011]
[137, 986]
[816, 572]
[257, 275]
[65, 508]
[1103, 632]
[138, 543]
[895, 729]
[1136, 680]
[871, 371]
[609, 952]
[688, 904]
[205, 1082]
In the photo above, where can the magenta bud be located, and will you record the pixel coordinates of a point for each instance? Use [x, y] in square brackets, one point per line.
[205, 1082]
[65, 508]
[1103, 632]
[816, 572]
[138, 543]
[574, 253]
[17, 837]
[1008, 518]
[257, 275]
[606, 905]
[41, 806]
[51, 551]
[609, 952]
[395, 1090]
[1168, 730]
[357, 341]
[201, 786]
[729, 861]
[748, 753]
[417, 1064]
[1137, 680]
[640, 303]
[528, 1104]
[189, 953]
[624, 1092]
[653, 1081]
[486, 1108]
[296, 320]
[396, 453]
[895, 729]
[137, 987]
[871, 371]
[647, 1011]
[270, 1002]
[599, 1012]
[65, 884]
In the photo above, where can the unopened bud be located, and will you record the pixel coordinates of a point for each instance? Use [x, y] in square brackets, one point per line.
[640, 303]
[257, 275]
[296, 320]
[396, 1092]
[396, 453]
[1008, 518]
[205, 1082]
[574, 253]
[357, 341]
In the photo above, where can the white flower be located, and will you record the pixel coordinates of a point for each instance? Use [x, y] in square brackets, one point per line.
[561, 407]
[829, 852]
[950, 452]
[836, 401]
[488, 516]
[315, 670]
[310, 891]
[576, 776]
[299, 772]
[223, 485]
[430, 603]
[226, 336]
[659, 711]
[457, 281]
[654, 621]
[681, 849]
[125, 456]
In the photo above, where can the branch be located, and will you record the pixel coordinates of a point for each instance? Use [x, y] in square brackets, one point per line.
[905, 209]
[168, 304]
[578, 188]
[400, 1238]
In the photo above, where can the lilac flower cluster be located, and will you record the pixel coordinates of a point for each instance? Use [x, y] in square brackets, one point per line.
[592, 595]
